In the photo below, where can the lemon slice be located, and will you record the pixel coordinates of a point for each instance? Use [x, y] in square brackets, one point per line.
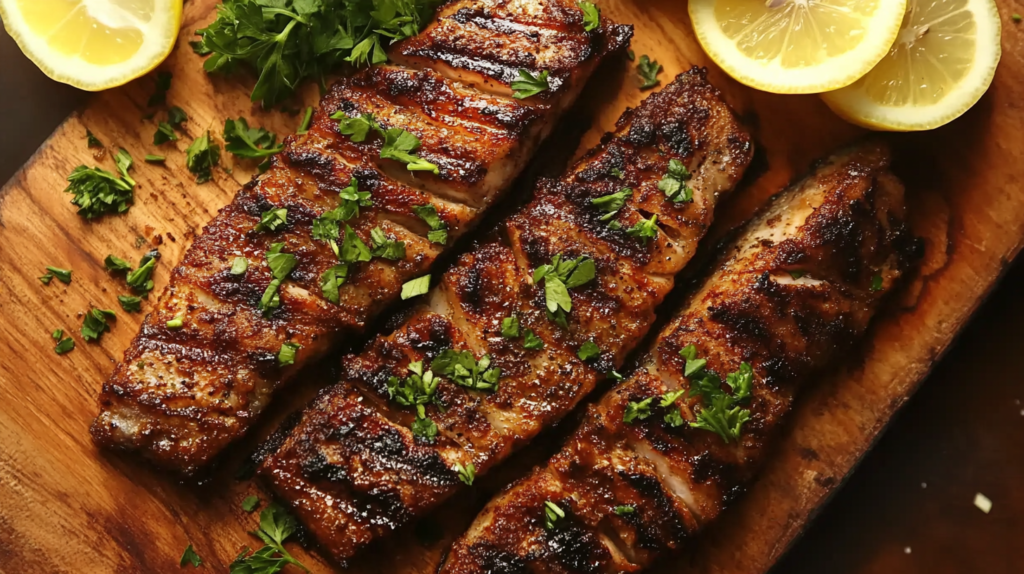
[93, 44]
[941, 64]
[796, 46]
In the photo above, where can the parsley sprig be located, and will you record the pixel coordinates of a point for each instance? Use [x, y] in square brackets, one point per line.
[464, 369]
[560, 276]
[648, 71]
[398, 145]
[720, 412]
[416, 390]
[438, 228]
[249, 142]
[276, 526]
[674, 183]
[527, 85]
[611, 204]
[201, 156]
[98, 192]
[281, 265]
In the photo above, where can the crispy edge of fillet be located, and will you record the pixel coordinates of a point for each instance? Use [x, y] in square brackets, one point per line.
[353, 471]
[179, 397]
[795, 291]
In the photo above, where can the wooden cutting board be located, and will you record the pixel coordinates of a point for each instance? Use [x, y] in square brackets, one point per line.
[66, 507]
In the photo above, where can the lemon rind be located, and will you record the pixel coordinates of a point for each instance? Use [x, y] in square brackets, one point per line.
[853, 106]
[91, 77]
[832, 74]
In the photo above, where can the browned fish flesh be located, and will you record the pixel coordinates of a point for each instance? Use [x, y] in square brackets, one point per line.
[362, 460]
[643, 473]
[181, 395]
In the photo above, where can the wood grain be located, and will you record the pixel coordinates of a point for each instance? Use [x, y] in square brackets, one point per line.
[65, 507]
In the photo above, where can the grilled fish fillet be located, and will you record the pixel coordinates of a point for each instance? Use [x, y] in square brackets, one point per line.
[180, 396]
[795, 292]
[353, 470]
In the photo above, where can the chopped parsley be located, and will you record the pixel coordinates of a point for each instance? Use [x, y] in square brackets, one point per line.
[531, 341]
[176, 323]
[527, 84]
[62, 275]
[249, 142]
[150, 158]
[588, 350]
[415, 287]
[384, 247]
[331, 281]
[201, 157]
[307, 119]
[64, 345]
[552, 515]
[876, 282]
[624, 509]
[353, 249]
[239, 266]
[276, 526]
[189, 557]
[57, 334]
[98, 192]
[91, 140]
[611, 204]
[94, 324]
[438, 228]
[674, 183]
[424, 428]
[796, 274]
[648, 71]
[398, 145]
[510, 327]
[358, 127]
[286, 356]
[280, 264]
[272, 219]
[130, 303]
[163, 84]
[416, 390]
[465, 370]
[559, 276]
[176, 116]
[140, 279]
[467, 473]
[164, 133]
[327, 226]
[637, 410]
[720, 411]
[250, 503]
[645, 229]
[591, 15]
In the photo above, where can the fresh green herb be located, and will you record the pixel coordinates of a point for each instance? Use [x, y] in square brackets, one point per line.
[327, 226]
[1017, 18]
[176, 116]
[57, 334]
[465, 370]
[670, 398]
[189, 556]
[64, 346]
[876, 282]
[591, 15]
[645, 229]
[150, 158]
[624, 509]
[280, 264]
[588, 350]
[615, 376]
[401, 146]
[531, 341]
[130, 303]
[510, 327]
[694, 367]
[272, 219]
[552, 514]
[424, 428]
[163, 84]
[124, 162]
[286, 356]
[384, 247]
[357, 128]
[98, 192]
[140, 280]
[674, 183]
[648, 71]
[91, 140]
[307, 119]
[139, 241]
[250, 503]
[529, 85]
[415, 287]
[62, 275]
[276, 526]
[353, 249]
[331, 280]
[287, 41]
[467, 474]
[45, 279]
[438, 228]
[674, 418]
[796, 273]
[637, 410]
[416, 390]
[249, 143]
[201, 157]
[688, 352]
[176, 323]
[239, 266]
[94, 324]
[720, 412]
[164, 133]
[558, 278]
[115, 264]
[617, 173]
[611, 204]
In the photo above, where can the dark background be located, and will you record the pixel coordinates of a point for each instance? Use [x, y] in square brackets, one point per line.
[909, 506]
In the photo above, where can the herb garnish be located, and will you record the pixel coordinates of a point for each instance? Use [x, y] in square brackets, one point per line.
[239, 266]
[648, 71]
[150, 158]
[94, 324]
[64, 345]
[510, 327]
[164, 133]
[527, 84]
[398, 145]
[307, 119]
[176, 323]
[645, 229]
[588, 350]
[384, 247]
[140, 280]
[558, 278]
[189, 556]
[98, 192]
[249, 143]
[331, 280]
[176, 116]
[62, 275]
[271, 219]
[286, 356]
[326, 227]
[438, 229]
[91, 140]
[624, 509]
[465, 370]
[250, 503]
[637, 410]
[467, 473]
[115, 264]
[552, 515]
[130, 303]
[720, 411]
[416, 390]
[611, 204]
[415, 287]
[674, 183]
[280, 264]
[591, 15]
[201, 156]
[876, 283]
[276, 526]
[531, 341]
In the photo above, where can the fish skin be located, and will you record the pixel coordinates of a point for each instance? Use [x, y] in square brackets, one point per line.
[352, 470]
[840, 227]
[181, 396]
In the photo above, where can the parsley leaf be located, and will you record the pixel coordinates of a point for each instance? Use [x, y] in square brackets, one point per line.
[591, 15]
[588, 350]
[64, 346]
[239, 266]
[140, 280]
[250, 503]
[98, 192]
[62, 275]
[150, 158]
[425, 428]
[467, 473]
[176, 116]
[529, 85]
[415, 287]
[176, 323]
[201, 157]
[552, 515]
[189, 556]
[326, 227]
[286, 356]
[130, 303]
[558, 278]
[281, 264]
[623, 510]
[510, 327]
[383, 247]
[465, 370]
[94, 324]
[720, 412]
[164, 133]
[91, 140]
[357, 128]
[611, 204]
[674, 183]
[645, 229]
[648, 71]
[876, 283]
[416, 390]
[276, 526]
[271, 219]
[307, 119]
[331, 280]
[57, 334]
[531, 341]
[250, 143]
[438, 228]
[401, 146]
[353, 249]
[637, 410]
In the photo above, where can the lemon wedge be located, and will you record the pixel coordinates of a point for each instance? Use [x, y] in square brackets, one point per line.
[93, 44]
[941, 64]
[796, 46]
